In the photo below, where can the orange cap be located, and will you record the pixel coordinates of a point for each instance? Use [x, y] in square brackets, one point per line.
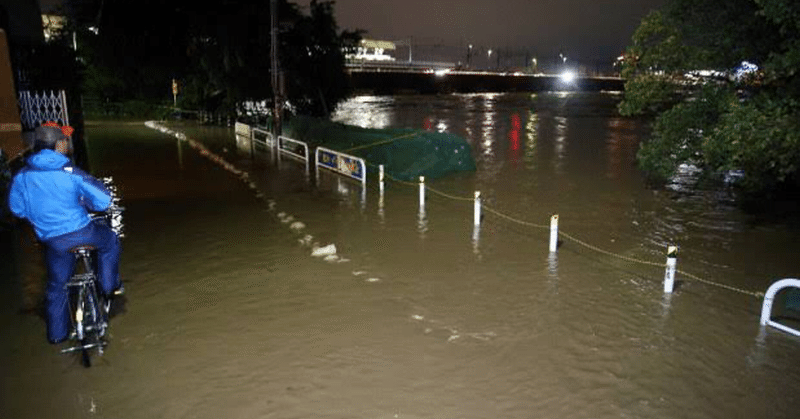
[66, 129]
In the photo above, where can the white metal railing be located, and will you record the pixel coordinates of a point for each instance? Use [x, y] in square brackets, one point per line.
[39, 107]
[263, 137]
[347, 165]
[766, 308]
[294, 148]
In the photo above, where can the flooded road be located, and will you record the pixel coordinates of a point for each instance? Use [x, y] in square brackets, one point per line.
[229, 315]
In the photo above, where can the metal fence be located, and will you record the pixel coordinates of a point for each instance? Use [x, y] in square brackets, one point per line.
[39, 107]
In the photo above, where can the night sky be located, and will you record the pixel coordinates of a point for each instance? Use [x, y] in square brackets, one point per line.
[584, 29]
[580, 29]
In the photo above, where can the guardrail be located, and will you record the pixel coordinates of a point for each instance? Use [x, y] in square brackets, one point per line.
[769, 297]
[295, 149]
[263, 137]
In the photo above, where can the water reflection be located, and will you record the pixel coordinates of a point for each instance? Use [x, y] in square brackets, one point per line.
[621, 144]
[514, 135]
[180, 155]
[427, 123]
[666, 306]
[560, 141]
[381, 214]
[476, 237]
[531, 135]
[552, 265]
[422, 221]
[366, 111]
[488, 159]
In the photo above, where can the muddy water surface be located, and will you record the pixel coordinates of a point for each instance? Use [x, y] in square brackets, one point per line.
[229, 315]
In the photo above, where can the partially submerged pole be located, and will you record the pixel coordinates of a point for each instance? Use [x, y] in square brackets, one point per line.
[422, 192]
[669, 274]
[554, 233]
[477, 216]
[380, 177]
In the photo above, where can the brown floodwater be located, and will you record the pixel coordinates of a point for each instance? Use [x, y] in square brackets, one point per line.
[419, 315]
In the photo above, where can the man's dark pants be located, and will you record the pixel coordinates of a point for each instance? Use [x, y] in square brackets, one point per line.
[60, 265]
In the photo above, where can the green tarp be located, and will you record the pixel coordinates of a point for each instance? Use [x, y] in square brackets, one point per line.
[405, 153]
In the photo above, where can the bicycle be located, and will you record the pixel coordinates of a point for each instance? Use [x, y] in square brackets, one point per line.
[89, 308]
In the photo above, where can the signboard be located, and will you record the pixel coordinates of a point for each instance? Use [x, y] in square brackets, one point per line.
[349, 166]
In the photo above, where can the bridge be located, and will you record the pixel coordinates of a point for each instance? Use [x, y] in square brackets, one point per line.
[434, 78]
[456, 81]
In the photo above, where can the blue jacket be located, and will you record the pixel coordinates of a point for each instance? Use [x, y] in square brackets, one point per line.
[54, 196]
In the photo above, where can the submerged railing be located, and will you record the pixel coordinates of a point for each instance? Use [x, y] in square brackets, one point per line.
[769, 297]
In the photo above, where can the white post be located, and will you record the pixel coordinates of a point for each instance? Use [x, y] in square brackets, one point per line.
[669, 274]
[380, 178]
[554, 233]
[422, 191]
[477, 218]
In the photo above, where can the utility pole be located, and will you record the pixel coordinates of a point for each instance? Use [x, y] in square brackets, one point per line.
[277, 91]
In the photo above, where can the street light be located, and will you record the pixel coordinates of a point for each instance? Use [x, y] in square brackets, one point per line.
[489, 59]
[469, 56]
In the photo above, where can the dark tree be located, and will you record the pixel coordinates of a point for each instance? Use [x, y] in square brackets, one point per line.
[218, 51]
[686, 67]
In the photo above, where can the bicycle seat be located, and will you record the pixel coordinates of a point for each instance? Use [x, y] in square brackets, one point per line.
[82, 249]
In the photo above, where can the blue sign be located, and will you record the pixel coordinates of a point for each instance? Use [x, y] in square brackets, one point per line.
[349, 166]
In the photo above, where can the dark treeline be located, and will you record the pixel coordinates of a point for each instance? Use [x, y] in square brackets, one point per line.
[721, 78]
[219, 52]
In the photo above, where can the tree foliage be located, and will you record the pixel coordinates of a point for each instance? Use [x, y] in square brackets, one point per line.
[218, 51]
[681, 68]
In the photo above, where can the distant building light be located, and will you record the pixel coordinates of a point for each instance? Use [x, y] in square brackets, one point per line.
[372, 50]
[52, 25]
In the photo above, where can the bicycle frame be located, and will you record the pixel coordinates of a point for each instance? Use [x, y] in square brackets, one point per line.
[88, 313]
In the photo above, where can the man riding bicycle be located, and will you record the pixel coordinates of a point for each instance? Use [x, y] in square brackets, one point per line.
[56, 198]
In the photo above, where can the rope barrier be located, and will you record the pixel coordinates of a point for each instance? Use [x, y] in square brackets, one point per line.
[585, 244]
[413, 134]
[756, 294]
[453, 197]
[606, 252]
[512, 219]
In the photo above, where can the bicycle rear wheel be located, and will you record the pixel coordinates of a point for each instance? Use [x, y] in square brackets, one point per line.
[87, 312]
[95, 324]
